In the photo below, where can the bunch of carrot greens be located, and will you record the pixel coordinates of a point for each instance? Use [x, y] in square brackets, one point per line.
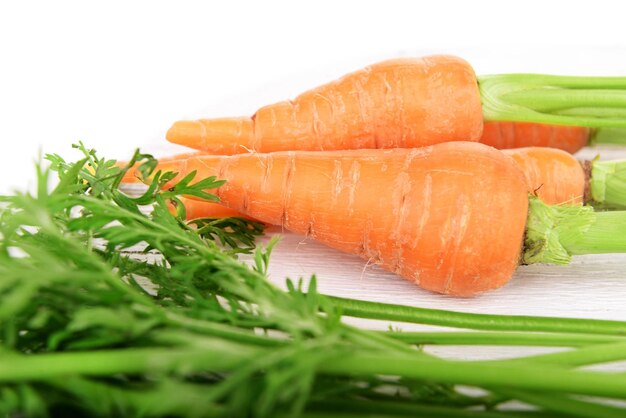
[187, 330]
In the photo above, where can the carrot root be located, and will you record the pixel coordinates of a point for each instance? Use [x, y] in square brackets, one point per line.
[505, 135]
[224, 136]
[425, 214]
[553, 175]
[409, 102]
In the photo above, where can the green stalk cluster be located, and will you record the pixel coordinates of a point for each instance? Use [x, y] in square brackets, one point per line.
[554, 233]
[88, 328]
[596, 102]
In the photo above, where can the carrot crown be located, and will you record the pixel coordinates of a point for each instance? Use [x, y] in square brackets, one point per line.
[554, 233]
[552, 229]
[561, 100]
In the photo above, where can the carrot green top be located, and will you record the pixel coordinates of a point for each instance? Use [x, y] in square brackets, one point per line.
[554, 233]
[560, 100]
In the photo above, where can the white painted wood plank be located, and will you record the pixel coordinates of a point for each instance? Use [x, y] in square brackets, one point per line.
[591, 287]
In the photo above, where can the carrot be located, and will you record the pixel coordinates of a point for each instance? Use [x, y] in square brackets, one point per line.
[449, 217]
[508, 135]
[203, 209]
[555, 176]
[504, 135]
[409, 102]
[396, 103]
[423, 213]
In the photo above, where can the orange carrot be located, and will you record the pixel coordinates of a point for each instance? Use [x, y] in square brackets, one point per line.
[555, 176]
[397, 103]
[426, 214]
[507, 135]
[503, 135]
[194, 209]
[409, 102]
[204, 209]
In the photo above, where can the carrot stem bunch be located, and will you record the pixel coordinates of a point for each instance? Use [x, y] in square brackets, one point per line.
[560, 100]
[556, 232]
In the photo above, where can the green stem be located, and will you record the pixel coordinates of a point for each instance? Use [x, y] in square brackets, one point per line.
[165, 397]
[608, 135]
[528, 339]
[608, 183]
[542, 98]
[563, 404]
[549, 100]
[425, 411]
[482, 374]
[222, 356]
[222, 330]
[606, 235]
[600, 353]
[556, 232]
[378, 340]
[601, 112]
[399, 409]
[400, 313]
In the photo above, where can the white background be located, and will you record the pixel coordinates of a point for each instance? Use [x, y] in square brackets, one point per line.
[117, 74]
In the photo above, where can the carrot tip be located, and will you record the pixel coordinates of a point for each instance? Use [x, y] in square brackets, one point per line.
[216, 136]
[186, 132]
